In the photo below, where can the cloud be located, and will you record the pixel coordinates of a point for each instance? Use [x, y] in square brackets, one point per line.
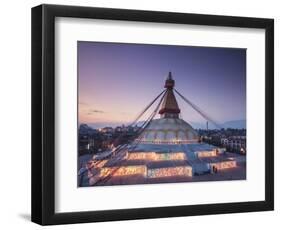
[82, 103]
[92, 111]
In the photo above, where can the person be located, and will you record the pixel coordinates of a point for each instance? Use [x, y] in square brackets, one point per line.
[215, 170]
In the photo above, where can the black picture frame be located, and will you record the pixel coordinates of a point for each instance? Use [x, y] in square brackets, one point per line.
[43, 114]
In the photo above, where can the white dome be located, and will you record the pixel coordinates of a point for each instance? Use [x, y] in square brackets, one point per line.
[168, 131]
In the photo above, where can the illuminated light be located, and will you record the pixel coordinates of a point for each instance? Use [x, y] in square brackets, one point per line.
[152, 156]
[100, 164]
[211, 153]
[96, 163]
[169, 172]
[224, 165]
[141, 156]
[123, 171]
[142, 170]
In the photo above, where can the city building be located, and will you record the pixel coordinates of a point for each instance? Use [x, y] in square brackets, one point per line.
[235, 143]
[86, 139]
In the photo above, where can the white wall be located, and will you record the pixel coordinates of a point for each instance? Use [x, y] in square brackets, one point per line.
[15, 112]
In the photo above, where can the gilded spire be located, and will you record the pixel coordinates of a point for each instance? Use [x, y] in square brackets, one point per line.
[169, 108]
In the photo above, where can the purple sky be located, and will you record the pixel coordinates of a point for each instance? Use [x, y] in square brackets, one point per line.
[116, 81]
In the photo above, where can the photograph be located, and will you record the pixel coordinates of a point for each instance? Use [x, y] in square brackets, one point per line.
[157, 113]
[174, 108]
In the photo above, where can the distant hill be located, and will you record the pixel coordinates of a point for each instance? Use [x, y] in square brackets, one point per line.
[235, 124]
[198, 125]
[105, 124]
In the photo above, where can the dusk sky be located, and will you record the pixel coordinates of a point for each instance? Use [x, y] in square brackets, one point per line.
[116, 81]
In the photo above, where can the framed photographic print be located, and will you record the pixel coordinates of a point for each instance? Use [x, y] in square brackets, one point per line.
[142, 114]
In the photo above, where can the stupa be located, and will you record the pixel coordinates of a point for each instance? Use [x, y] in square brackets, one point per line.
[166, 150]
[169, 128]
